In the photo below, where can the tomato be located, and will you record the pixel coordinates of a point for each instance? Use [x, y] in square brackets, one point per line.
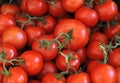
[9, 50]
[56, 9]
[36, 32]
[48, 66]
[47, 53]
[80, 33]
[94, 51]
[114, 57]
[87, 15]
[117, 17]
[33, 62]
[10, 8]
[118, 73]
[1, 75]
[36, 7]
[99, 36]
[49, 25]
[103, 73]
[17, 75]
[112, 31]
[52, 78]
[72, 5]
[15, 36]
[103, 9]
[6, 21]
[34, 81]
[73, 60]
[81, 77]
[23, 6]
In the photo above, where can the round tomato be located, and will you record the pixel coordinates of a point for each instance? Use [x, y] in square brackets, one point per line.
[118, 73]
[80, 33]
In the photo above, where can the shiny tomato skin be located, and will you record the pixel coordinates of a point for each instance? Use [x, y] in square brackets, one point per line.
[114, 57]
[80, 33]
[33, 62]
[6, 21]
[81, 77]
[72, 5]
[17, 75]
[36, 7]
[103, 73]
[103, 9]
[33, 32]
[87, 15]
[10, 8]
[15, 36]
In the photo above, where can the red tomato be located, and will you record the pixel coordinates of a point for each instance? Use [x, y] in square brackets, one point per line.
[56, 9]
[34, 81]
[23, 6]
[33, 32]
[47, 53]
[17, 75]
[36, 7]
[87, 15]
[79, 78]
[15, 36]
[74, 62]
[1, 75]
[103, 73]
[48, 66]
[51, 78]
[10, 8]
[6, 21]
[118, 73]
[49, 25]
[33, 62]
[114, 57]
[72, 5]
[103, 9]
[80, 33]
[9, 50]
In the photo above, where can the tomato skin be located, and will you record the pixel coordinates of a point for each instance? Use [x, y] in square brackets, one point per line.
[7, 20]
[1, 75]
[47, 54]
[72, 5]
[114, 57]
[80, 34]
[36, 7]
[36, 32]
[17, 75]
[103, 73]
[49, 25]
[57, 9]
[61, 64]
[33, 62]
[50, 78]
[103, 9]
[10, 50]
[81, 77]
[23, 6]
[14, 35]
[83, 13]
[118, 74]
[10, 8]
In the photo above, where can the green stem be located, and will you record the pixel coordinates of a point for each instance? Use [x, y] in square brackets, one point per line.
[6, 72]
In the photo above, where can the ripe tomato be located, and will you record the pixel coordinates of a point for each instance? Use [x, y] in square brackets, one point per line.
[114, 57]
[79, 78]
[17, 75]
[72, 5]
[1, 75]
[23, 6]
[56, 9]
[83, 13]
[103, 73]
[33, 62]
[6, 21]
[47, 53]
[36, 32]
[49, 25]
[118, 74]
[73, 60]
[15, 36]
[9, 50]
[10, 8]
[36, 7]
[103, 9]
[80, 33]
[52, 78]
